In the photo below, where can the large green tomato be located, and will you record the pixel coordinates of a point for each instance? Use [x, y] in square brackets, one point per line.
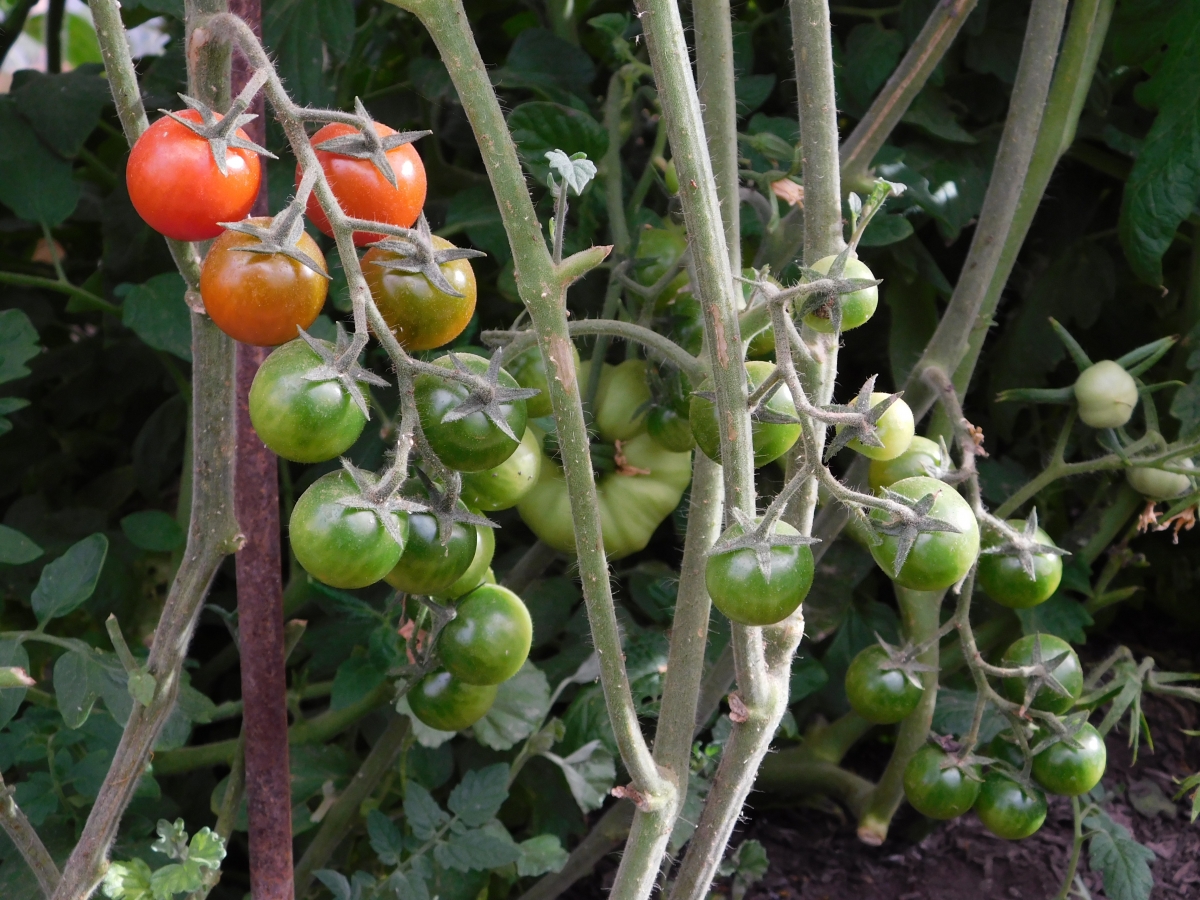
[770, 441]
[503, 486]
[1106, 394]
[937, 791]
[857, 307]
[1071, 771]
[1159, 484]
[895, 429]
[489, 638]
[923, 457]
[480, 570]
[622, 400]
[339, 545]
[444, 703]
[880, 695]
[1068, 673]
[1009, 810]
[473, 443]
[938, 559]
[529, 369]
[431, 563]
[302, 420]
[745, 593]
[1003, 579]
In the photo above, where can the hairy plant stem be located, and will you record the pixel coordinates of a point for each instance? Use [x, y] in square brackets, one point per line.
[1076, 847]
[25, 838]
[950, 342]
[713, 28]
[606, 836]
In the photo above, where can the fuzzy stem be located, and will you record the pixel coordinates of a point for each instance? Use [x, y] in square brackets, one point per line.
[23, 836]
[713, 27]
[1076, 847]
[602, 840]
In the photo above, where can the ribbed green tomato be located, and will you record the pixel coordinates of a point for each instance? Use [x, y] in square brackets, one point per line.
[503, 486]
[477, 573]
[299, 419]
[1106, 394]
[623, 399]
[1068, 673]
[444, 703]
[923, 457]
[857, 307]
[895, 429]
[938, 559]
[1159, 484]
[1071, 771]
[745, 593]
[1009, 810]
[529, 369]
[429, 566]
[937, 791]
[770, 441]
[880, 695]
[489, 638]
[473, 443]
[339, 545]
[1003, 579]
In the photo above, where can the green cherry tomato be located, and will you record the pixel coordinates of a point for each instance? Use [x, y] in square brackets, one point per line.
[1159, 484]
[670, 428]
[895, 429]
[937, 792]
[477, 573]
[857, 307]
[473, 443]
[1003, 579]
[1006, 751]
[529, 369]
[1106, 395]
[1071, 771]
[745, 593]
[880, 695]
[938, 559]
[770, 441]
[923, 457]
[429, 566]
[444, 703]
[302, 420]
[504, 486]
[489, 638]
[622, 401]
[1009, 810]
[1068, 673]
[339, 545]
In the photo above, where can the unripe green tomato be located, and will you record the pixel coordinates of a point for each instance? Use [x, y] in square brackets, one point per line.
[427, 565]
[671, 178]
[477, 572]
[445, 703]
[744, 593]
[504, 486]
[529, 370]
[857, 307]
[1003, 579]
[923, 457]
[670, 428]
[489, 638]
[895, 429]
[1009, 810]
[940, 793]
[622, 401]
[1071, 771]
[938, 559]
[1068, 673]
[881, 696]
[1006, 751]
[298, 419]
[1106, 394]
[1159, 484]
[770, 441]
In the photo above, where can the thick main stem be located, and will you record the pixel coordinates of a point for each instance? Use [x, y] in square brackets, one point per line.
[23, 836]
[713, 27]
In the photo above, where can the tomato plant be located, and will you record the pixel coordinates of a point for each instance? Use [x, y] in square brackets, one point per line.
[878, 690]
[1004, 578]
[894, 429]
[421, 315]
[529, 370]
[937, 559]
[433, 560]
[1159, 484]
[857, 306]
[1071, 771]
[1106, 395]
[753, 593]
[503, 486]
[923, 457]
[770, 440]
[938, 787]
[1067, 672]
[445, 703]
[489, 637]
[1008, 809]
[480, 570]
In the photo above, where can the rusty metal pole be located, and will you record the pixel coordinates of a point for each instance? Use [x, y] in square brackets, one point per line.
[260, 596]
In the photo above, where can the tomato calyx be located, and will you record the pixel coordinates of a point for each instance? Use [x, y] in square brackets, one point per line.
[758, 536]
[1040, 674]
[282, 236]
[367, 144]
[446, 509]
[904, 660]
[221, 133]
[340, 363]
[416, 255]
[1023, 544]
[909, 522]
[485, 394]
[380, 494]
[857, 419]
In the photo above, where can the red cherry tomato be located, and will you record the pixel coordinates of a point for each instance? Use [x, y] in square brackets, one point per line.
[175, 184]
[362, 191]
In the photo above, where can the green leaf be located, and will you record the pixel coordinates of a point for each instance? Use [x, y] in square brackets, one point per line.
[386, 839]
[83, 676]
[576, 170]
[520, 706]
[157, 313]
[1124, 863]
[63, 108]
[871, 55]
[886, 229]
[1164, 185]
[750, 862]
[127, 881]
[408, 885]
[37, 183]
[808, 676]
[540, 855]
[206, 848]
[477, 848]
[153, 530]
[590, 772]
[9, 405]
[752, 91]
[337, 883]
[955, 710]
[475, 212]
[172, 839]
[478, 797]
[12, 653]
[422, 812]
[1060, 616]
[142, 686]
[37, 797]
[539, 127]
[18, 343]
[176, 878]
[931, 112]
[539, 59]
[337, 26]
[15, 548]
[292, 29]
[69, 580]
[356, 677]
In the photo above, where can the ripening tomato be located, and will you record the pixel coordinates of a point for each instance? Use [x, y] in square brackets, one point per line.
[1008, 809]
[745, 593]
[1106, 394]
[880, 695]
[923, 457]
[1006, 582]
[937, 559]
[261, 298]
[360, 188]
[1071, 771]
[418, 314]
[770, 440]
[488, 639]
[895, 429]
[175, 185]
[937, 788]
[444, 703]
[1068, 673]
[505, 485]
[857, 307]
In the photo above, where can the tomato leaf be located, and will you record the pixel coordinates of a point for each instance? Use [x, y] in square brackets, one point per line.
[590, 773]
[1122, 861]
[408, 885]
[63, 108]
[157, 313]
[69, 580]
[1060, 616]
[539, 127]
[12, 653]
[808, 676]
[871, 55]
[127, 881]
[540, 855]
[422, 812]
[153, 530]
[521, 704]
[15, 548]
[477, 848]
[386, 839]
[955, 710]
[355, 678]
[37, 183]
[478, 797]
[545, 62]
[18, 343]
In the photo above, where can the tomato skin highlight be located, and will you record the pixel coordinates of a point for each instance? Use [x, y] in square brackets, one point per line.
[857, 307]
[881, 696]
[936, 792]
[744, 593]
[342, 547]
[301, 420]
[770, 441]
[261, 298]
[1068, 771]
[176, 187]
[923, 457]
[1068, 673]
[419, 315]
[489, 640]
[361, 191]
[895, 428]
[1003, 579]
[444, 703]
[1009, 810]
[503, 487]
[938, 559]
